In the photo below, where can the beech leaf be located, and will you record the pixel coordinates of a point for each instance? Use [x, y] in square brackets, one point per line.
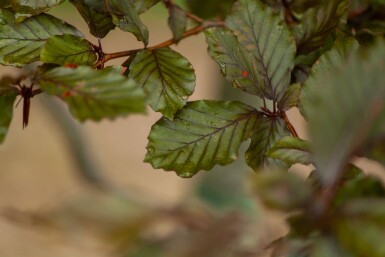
[21, 42]
[166, 76]
[94, 94]
[97, 19]
[351, 100]
[202, 134]
[291, 150]
[269, 40]
[267, 132]
[68, 49]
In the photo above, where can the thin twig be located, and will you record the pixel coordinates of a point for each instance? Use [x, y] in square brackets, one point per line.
[166, 43]
[289, 126]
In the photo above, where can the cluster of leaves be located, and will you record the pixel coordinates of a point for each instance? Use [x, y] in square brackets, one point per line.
[303, 54]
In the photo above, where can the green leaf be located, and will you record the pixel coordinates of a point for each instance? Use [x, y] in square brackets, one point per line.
[375, 150]
[94, 94]
[318, 23]
[68, 49]
[361, 227]
[335, 57]
[270, 42]
[177, 21]
[125, 16]
[291, 150]
[282, 190]
[290, 98]
[267, 132]
[202, 134]
[33, 7]
[357, 186]
[143, 5]
[343, 47]
[166, 76]
[236, 62]
[209, 9]
[347, 112]
[7, 98]
[99, 22]
[21, 42]
[303, 5]
[328, 247]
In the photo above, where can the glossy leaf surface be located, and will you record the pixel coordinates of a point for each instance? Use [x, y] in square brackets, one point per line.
[236, 62]
[94, 94]
[21, 42]
[97, 19]
[269, 40]
[267, 132]
[33, 7]
[166, 76]
[202, 134]
[291, 150]
[68, 49]
[317, 23]
[125, 16]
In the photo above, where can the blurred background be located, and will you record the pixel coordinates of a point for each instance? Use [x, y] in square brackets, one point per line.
[70, 189]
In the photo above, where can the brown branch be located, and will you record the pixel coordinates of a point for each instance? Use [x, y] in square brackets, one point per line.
[289, 126]
[188, 33]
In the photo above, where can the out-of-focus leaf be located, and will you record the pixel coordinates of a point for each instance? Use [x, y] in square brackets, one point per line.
[5, 4]
[375, 150]
[369, 209]
[328, 247]
[269, 40]
[94, 94]
[177, 21]
[166, 76]
[21, 42]
[301, 225]
[202, 134]
[290, 98]
[317, 23]
[292, 247]
[267, 132]
[303, 5]
[33, 7]
[291, 150]
[68, 49]
[210, 9]
[99, 22]
[356, 184]
[7, 98]
[236, 62]
[347, 111]
[335, 57]
[125, 16]
[282, 190]
[361, 227]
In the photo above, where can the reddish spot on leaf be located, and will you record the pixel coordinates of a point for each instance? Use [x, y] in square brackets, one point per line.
[71, 65]
[66, 94]
[245, 74]
[123, 70]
